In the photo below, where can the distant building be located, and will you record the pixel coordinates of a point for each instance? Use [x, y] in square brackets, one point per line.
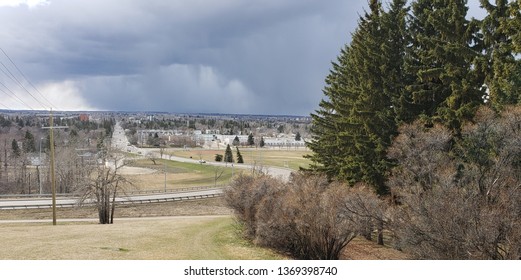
[84, 118]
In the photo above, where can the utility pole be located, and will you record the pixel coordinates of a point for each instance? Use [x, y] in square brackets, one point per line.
[53, 179]
[51, 151]
[38, 166]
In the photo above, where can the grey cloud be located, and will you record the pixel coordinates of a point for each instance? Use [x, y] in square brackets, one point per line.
[265, 56]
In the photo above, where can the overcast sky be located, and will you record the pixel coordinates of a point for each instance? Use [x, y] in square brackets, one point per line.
[197, 56]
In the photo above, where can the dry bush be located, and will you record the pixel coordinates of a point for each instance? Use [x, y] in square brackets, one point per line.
[366, 211]
[244, 196]
[466, 202]
[308, 217]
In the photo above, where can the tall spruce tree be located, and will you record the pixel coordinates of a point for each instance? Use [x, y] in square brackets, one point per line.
[357, 120]
[515, 24]
[442, 56]
[327, 142]
[394, 28]
[29, 145]
[228, 155]
[503, 70]
[239, 156]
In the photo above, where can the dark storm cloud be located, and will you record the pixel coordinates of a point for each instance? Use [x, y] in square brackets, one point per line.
[251, 56]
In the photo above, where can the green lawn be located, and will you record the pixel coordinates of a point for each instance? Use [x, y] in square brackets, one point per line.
[292, 159]
[179, 174]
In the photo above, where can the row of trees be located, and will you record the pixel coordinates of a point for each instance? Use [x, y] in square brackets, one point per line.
[228, 155]
[452, 198]
[424, 61]
[422, 107]
[24, 154]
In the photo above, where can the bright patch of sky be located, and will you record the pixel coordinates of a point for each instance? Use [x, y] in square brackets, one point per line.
[28, 3]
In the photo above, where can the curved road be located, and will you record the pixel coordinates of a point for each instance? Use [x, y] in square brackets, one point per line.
[120, 142]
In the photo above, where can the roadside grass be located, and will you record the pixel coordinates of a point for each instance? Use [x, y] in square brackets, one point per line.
[167, 238]
[288, 158]
[178, 175]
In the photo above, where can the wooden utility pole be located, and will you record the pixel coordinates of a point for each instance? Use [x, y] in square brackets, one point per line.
[51, 128]
[53, 179]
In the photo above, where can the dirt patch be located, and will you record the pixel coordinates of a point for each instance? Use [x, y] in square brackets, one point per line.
[362, 249]
[130, 170]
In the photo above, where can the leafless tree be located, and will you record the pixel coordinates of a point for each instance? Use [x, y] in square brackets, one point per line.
[104, 185]
[218, 173]
[152, 157]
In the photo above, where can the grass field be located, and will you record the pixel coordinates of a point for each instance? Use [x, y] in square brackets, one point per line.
[178, 175]
[189, 238]
[291, 158]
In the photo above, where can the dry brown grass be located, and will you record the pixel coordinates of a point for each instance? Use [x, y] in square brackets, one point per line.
[141, 239]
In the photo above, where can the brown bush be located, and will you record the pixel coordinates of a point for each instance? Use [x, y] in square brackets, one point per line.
[459, 198]
[304, 217]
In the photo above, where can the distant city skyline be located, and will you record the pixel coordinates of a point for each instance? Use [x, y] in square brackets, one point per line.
[265, 57]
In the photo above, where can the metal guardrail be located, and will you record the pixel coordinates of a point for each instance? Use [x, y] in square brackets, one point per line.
[176, 190]
[72, 195]
[124, 202]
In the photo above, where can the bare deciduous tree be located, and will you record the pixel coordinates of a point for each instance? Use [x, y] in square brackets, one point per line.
[103, 187]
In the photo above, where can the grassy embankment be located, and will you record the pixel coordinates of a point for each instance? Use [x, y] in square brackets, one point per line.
[181, 175]
[178, 175]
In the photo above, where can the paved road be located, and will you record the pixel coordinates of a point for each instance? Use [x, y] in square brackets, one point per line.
[69, 202]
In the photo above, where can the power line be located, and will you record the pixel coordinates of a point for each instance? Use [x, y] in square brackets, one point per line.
[13, 95]
[13, 78]
[27, 80]
[5, 106]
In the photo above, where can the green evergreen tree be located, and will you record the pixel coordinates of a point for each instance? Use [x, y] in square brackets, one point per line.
[262, 143]
[29, 145]
[357, 119]
[503, 70]
[236, 141]
[239, 156]
[442, 57]
[329, 142]
[251, 140]
[298, 137]
[395, 78]
[15, 148]
[228, 155]
[515, 24]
